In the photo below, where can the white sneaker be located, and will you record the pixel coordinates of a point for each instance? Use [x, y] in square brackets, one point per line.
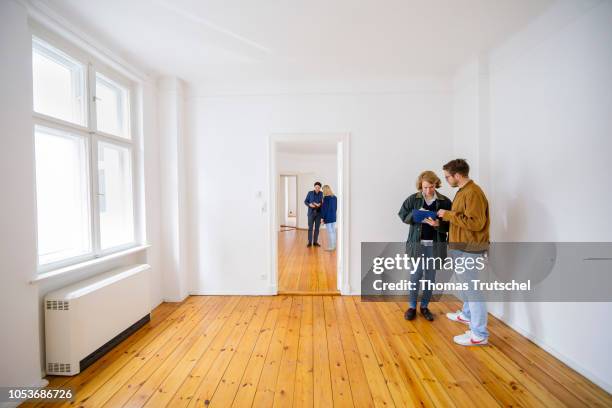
[470, 339]
[458, 317]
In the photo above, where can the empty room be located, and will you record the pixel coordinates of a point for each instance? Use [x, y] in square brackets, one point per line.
[305, 203]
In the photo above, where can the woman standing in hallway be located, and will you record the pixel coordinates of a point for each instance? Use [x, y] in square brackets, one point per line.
[426, 237]
[328, 213]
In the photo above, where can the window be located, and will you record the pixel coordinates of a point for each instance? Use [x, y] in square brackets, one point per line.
[84, 157]
[112, 107]
[59, 84]
[62, 191]
[115, 195]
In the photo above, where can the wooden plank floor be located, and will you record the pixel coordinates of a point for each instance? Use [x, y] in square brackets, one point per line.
[303, 270]
[320, 351]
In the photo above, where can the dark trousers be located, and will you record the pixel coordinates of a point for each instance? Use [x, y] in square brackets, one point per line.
[314, 220]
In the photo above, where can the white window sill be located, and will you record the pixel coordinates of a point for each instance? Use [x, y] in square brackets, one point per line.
[81, 265]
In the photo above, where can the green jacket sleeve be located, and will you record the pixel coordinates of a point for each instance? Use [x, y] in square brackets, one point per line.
[405, 213]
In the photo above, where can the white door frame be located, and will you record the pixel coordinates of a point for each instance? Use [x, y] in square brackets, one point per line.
[297, 199]
[343, 248]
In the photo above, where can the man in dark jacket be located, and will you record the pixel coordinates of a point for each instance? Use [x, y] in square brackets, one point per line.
[313, 201]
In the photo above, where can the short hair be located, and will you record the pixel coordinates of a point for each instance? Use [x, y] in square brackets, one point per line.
[457, 166]
[317, 184]
[327, 191]
[430, 177]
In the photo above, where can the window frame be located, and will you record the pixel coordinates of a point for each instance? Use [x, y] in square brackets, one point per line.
[71, 133]
[92, 137]
[114, 79]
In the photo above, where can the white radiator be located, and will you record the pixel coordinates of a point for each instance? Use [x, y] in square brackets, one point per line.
[85, 320]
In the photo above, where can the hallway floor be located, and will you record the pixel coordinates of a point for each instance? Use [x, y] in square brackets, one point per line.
[303, 270]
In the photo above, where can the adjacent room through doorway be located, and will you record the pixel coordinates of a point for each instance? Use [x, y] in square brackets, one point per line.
[288, 200]
[306, 256]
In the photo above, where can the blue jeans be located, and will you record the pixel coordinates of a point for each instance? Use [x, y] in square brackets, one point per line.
[331, 233]
[474, 305]
[417, 276]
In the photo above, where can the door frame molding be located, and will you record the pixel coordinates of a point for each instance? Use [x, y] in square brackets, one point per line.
[343, 222]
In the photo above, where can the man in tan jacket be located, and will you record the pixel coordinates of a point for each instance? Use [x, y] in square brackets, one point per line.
[468, 238]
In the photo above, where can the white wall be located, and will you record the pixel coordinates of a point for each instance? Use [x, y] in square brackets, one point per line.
[287, 201]
[282, 201]
[543, 103]
[308, 167]
[150, 145]
[292, 199]
[394, 136]
[19, 354]
[466, 114]
[172, 181]
[21, 324]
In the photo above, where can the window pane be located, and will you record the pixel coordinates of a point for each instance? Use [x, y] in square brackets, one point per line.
[112, 107]
[115, 195]
[62, 194]
[58, 84]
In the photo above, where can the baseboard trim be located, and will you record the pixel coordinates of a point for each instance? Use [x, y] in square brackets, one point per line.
[175, 299]
[229, 293]
[271, 293]
[308, 293]
[564, 359]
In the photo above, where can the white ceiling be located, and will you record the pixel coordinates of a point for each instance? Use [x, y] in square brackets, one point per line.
[200, 40]
[306, 148]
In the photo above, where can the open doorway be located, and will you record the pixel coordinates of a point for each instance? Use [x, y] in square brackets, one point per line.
[288, 200]
[297, 163]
